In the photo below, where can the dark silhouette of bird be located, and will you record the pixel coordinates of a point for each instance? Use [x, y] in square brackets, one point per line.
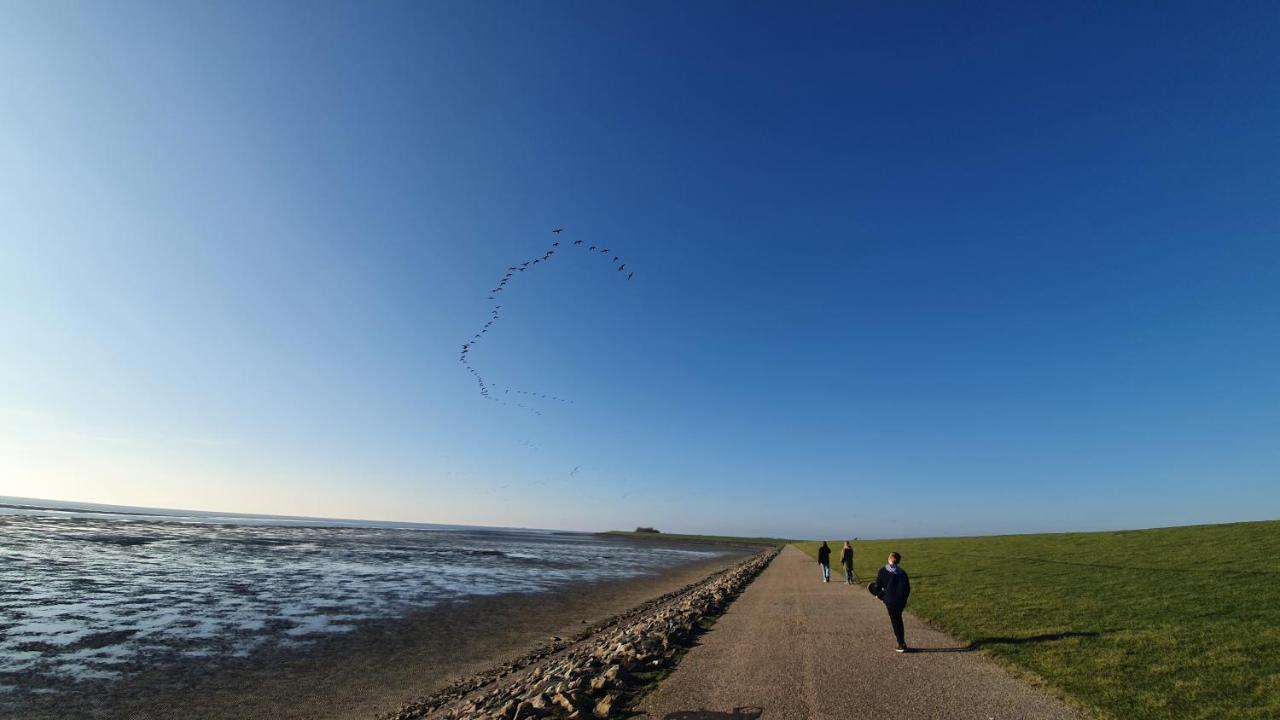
[555, 244]
[605, 250]
[577, 242]
[558, 230]
[621, 266]
[630, 275]
[591, 249]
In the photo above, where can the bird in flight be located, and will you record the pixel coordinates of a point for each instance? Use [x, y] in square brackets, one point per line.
[558, 230]
[621, 266]
[577, 242]
[630, 275]
[591, 249]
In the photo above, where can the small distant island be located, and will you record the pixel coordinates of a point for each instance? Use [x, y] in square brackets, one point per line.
[655, 531]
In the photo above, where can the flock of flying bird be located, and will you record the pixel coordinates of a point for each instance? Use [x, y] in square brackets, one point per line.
[487, 390]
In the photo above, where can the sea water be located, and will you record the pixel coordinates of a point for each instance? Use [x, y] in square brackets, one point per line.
[93, 594]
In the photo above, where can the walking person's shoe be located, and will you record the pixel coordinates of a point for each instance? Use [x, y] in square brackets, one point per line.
[900, 648]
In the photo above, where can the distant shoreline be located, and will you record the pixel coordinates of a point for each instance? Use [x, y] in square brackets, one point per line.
[704, 539]
[57, 507]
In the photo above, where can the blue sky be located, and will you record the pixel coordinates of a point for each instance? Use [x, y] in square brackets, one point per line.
[902, 269]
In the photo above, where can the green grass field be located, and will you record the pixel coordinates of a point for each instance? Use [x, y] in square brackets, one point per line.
[1168, 623]
[723, 539]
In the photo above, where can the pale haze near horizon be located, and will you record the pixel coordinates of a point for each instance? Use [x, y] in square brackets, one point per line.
[897, 273]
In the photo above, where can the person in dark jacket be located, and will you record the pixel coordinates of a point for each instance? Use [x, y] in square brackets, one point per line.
[824, 559]
[846, 559]
[893, 587]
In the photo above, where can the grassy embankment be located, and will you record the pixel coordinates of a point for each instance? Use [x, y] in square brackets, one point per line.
[1168, 623]
[725, 539]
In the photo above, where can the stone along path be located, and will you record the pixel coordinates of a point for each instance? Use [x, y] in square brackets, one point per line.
[792, 647]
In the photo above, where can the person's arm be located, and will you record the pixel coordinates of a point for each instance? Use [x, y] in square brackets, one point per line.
[906, 588]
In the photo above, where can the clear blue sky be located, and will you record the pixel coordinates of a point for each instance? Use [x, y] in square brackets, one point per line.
[902, 268]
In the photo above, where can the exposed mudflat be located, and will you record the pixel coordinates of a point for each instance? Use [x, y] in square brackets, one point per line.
[111, 617]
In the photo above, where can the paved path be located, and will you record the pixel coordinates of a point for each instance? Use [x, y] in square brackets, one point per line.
[792, 647]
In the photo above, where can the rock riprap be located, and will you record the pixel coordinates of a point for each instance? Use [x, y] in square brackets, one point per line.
[596, 673]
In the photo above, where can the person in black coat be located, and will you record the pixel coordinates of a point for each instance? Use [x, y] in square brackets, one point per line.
[824, 559]
[893, 587]
[846, 560]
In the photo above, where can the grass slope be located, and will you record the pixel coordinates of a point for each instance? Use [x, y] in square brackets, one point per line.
[1168, 623]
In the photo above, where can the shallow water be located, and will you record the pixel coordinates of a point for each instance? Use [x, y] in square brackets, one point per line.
[95, 597]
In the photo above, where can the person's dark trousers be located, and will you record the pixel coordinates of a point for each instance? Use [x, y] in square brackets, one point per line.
[895, 617]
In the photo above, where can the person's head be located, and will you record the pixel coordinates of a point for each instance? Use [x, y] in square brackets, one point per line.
[894, 558]
[824, 543]
[846, 543]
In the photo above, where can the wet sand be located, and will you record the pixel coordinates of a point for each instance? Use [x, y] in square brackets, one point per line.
[377, 668]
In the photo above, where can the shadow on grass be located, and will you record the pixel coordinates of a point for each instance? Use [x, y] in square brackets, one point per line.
[741, 713]
[1048, 637]
[983, 642]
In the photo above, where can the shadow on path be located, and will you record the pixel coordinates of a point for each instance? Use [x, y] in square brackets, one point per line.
[741, 713]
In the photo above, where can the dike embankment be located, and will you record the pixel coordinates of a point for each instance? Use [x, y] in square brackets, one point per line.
[602, 670]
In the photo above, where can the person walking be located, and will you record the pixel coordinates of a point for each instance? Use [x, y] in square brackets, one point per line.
[824, 559]
[846, 559]
[893, 587]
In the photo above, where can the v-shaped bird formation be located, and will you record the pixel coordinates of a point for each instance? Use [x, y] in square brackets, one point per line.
[512, 396]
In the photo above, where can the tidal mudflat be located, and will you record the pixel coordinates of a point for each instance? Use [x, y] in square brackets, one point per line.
[92, 603]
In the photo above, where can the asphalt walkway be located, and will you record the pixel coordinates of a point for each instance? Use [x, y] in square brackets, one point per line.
[792, 648]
